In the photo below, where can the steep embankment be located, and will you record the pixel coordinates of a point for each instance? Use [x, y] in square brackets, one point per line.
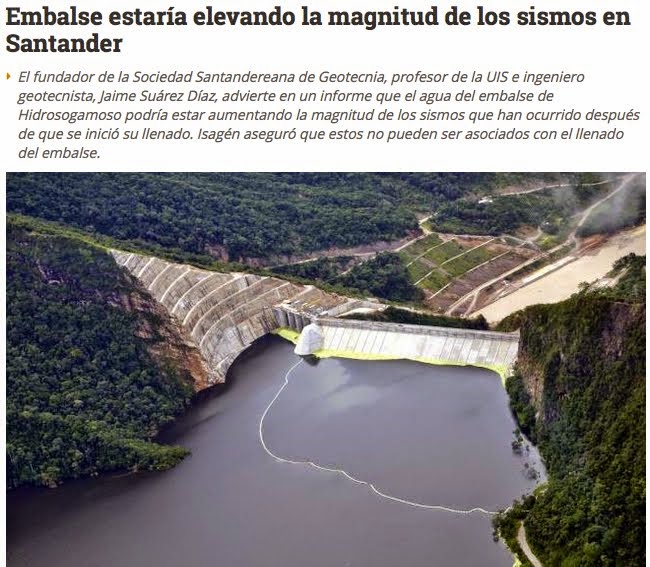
[94, 365]
[579, 391]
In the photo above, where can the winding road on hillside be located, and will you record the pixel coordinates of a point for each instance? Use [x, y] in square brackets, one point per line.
[521, 540]
[558, 186]
[571, 240]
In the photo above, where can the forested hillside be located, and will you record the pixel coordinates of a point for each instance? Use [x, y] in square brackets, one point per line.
[383, 276]
[246, 216]
[550, 210]
[397, 315]
[94, 369]
[579, 391]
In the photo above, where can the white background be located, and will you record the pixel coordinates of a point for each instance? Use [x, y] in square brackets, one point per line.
[612, 58]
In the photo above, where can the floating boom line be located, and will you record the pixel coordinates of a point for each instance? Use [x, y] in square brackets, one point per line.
[346, 474]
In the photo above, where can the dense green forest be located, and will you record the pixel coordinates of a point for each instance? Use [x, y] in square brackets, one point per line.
[397, 315]
[391, 282]
[579, 390]
[631, 283]
[84, 392]
[384, 276]
[550, 209]
[325, 269]
[243, 216]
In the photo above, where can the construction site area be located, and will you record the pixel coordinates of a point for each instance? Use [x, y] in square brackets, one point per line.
[461, 275]
[449, 267]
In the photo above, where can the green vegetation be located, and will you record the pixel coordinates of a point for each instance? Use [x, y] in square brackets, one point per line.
[441, 261]
[420, 259]
[383, 276]
[549, 241]
[506, 527]
[587, 356]
[550, 209]
[421, 246]
[406, 256]
[521, 406]
[630, 270]
[470, 260]
[419, 269]
[503, 214]
[396, 315]
[238, 216]
[323, 269]
[84, 393]
[106, 242]
[445, 252]
[435, 281]
[427, 255]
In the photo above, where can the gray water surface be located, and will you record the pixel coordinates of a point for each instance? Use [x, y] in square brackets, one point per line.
[435, 435]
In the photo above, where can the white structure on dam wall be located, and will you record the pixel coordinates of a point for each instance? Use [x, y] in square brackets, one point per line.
[224, 313]
[372, 340]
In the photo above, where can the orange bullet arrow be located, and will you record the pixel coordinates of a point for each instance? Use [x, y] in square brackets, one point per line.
[8, 76]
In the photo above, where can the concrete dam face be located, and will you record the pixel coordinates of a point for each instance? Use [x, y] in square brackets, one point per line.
[434, 345]
[224, 313]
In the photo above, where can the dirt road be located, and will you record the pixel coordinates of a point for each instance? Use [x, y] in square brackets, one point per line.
[521, 540]
[560, 284]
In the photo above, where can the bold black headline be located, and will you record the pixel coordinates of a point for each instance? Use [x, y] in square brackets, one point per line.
[452, 16]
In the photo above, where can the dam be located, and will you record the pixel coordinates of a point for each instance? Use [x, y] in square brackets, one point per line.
[371, 340]
[222, 314]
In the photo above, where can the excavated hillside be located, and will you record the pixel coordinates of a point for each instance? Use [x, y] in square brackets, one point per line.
[166, 340]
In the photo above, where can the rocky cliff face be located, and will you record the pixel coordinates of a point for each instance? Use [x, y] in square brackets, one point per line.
[563, 346]
[166, 340]
[579, 391]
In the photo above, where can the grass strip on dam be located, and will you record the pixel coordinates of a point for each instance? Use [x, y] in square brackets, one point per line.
[500, 369]
[292, 336]
[288, 334]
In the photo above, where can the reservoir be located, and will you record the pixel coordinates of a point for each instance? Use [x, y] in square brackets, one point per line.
[420, 434]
